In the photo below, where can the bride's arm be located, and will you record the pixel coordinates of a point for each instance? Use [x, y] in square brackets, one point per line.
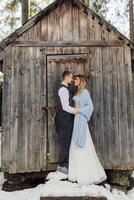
[88, 107]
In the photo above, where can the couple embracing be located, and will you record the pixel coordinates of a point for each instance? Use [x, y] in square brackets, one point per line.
[77, 155]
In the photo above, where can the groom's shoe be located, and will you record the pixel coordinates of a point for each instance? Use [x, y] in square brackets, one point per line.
[62, 169]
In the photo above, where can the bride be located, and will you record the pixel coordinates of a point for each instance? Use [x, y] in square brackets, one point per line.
[84, 165]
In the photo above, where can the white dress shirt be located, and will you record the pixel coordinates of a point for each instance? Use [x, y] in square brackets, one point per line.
[64, 97]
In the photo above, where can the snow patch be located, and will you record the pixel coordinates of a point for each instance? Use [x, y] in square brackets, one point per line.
[55, 186]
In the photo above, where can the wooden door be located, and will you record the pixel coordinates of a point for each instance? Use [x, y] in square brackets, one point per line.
[56, 65]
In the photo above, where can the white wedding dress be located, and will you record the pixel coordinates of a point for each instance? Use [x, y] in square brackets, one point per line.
[84, 165]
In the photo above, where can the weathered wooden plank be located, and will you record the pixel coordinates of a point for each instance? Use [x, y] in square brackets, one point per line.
[20, 156]
[14, 112]
[68, 57]
[99, 123]
[114, 108]
[33, 110]
[129, 92]
[51, 130]
[44, 29]
[37, 111]
[122, 108]
[82, 28]
[50, 91]
[106, 71]
[99, 43]
[73, 198]
[25, 109]
[37, 31]
[67, 20]
[6, 115]
[28, 91]
[28, 105]
[75, 23]
[43, 139]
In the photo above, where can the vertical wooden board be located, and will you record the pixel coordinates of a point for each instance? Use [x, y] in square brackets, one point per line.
[57, 23]
[51, 69]
[44, 28]
[129, 91]
[43, 139]
[50, 26]
[50, 80]
[27, 108]
[33, 125]
[106, 71]
[114, 107]
[56, 80]
[82, 29]
[37, 32]
[82, 25]
[24, 107]
[98, 109]
[75, 23]
[122, 108]
[14, 112]
[6, 112]
[20, 151]
[50, 148]
[33, 109]
[66, 25]
[37, 110]
[67, 21]
[90, 28]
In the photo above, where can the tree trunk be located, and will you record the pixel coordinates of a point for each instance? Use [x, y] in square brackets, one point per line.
[24, 11]
[131, 20]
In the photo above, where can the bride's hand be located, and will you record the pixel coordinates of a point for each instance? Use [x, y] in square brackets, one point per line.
[76, 110]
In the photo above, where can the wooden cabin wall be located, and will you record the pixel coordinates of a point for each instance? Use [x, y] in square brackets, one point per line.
[24, 122]
[111, 91]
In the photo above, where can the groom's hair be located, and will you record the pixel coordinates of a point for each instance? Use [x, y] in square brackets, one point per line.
[65, 73]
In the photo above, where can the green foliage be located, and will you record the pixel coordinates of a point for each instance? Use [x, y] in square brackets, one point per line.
[11, 18]
[99, 6]
[11, 6]
[33, 9]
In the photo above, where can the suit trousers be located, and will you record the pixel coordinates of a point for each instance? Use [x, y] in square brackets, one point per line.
[64, 141]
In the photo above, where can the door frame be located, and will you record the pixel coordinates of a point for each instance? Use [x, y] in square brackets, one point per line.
[84, 56]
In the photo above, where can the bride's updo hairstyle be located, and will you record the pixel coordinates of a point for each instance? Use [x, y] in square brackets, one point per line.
[82, 83]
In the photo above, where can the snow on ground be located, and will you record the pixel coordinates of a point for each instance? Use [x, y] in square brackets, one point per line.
[57, 187]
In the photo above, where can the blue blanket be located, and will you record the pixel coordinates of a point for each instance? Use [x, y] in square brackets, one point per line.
[84, 102]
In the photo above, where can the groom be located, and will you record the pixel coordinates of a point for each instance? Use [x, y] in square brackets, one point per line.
[64, 119]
